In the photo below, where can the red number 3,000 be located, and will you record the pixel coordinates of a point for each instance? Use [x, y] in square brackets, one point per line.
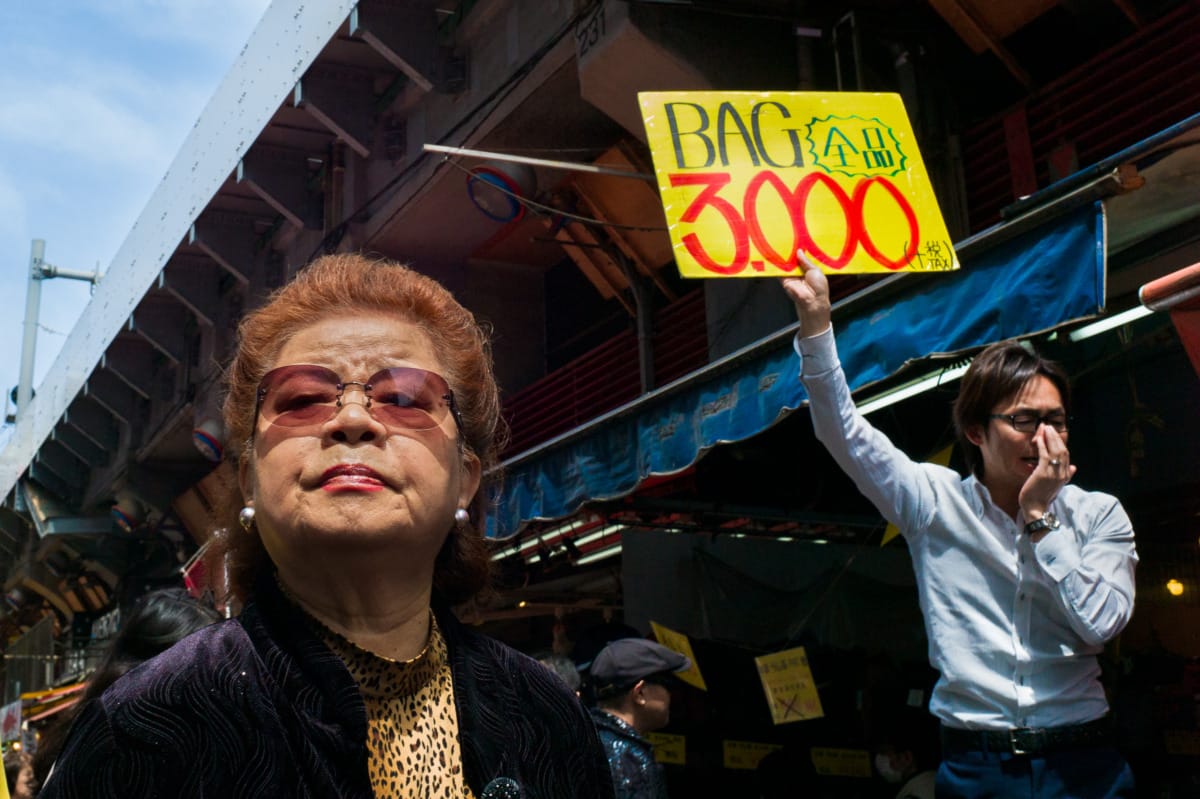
[744, 226]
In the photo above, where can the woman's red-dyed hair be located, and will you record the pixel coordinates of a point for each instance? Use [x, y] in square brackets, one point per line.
[356, 283]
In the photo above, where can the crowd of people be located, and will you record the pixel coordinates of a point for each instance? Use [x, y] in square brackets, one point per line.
[366, 413]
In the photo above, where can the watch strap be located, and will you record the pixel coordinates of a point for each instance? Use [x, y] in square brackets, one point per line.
[1048, 521]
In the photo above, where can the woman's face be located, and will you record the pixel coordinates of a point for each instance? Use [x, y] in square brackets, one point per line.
[353, 480]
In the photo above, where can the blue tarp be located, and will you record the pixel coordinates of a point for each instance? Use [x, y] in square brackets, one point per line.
[1028, 284]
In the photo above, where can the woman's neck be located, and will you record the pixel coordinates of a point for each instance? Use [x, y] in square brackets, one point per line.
[382, 613]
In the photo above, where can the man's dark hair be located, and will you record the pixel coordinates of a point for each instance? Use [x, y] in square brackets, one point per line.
[997, 374]
[614, 699]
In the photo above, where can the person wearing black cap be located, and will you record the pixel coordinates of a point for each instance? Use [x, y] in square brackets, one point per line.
[630, 676]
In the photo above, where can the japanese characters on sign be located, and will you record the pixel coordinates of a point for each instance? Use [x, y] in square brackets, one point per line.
[668, 748]
[745, 755]
[831, 762]
[788, 684]
[749, 178]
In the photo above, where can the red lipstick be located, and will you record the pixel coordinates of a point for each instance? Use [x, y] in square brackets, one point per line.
[351, 477]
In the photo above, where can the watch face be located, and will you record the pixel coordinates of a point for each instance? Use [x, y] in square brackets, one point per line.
[1048, 522]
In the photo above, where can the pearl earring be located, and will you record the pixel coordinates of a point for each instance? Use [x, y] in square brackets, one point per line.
[246, 517]
[462, 518]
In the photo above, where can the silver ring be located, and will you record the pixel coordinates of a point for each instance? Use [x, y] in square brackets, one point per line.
[1056, 462]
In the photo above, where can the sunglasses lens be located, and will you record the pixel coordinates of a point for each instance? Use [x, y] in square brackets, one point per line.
[307, 396]
[299, 396]
[413, 399]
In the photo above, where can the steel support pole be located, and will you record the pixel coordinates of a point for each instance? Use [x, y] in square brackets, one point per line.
[33, 304]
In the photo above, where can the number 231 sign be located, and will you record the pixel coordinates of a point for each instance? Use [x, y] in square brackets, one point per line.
[749, 178]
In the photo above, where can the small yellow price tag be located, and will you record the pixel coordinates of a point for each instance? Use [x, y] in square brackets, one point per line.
[746, 754]
[668, 748]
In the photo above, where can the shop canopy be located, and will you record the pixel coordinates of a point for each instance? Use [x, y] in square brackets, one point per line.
[1026, 284]
[1179, 295]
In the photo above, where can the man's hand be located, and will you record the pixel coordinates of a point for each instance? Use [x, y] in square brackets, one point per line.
[810, 294]
[1053, 471]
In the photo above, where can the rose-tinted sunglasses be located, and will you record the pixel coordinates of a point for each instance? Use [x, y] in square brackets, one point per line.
[400, 397]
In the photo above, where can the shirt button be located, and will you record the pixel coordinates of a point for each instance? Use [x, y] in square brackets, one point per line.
[1021, 596]
[1022, 680]
[1021, 559]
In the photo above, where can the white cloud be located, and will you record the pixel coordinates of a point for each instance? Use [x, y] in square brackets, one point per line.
[121, 81]
[102, 110]
[203, 23]
[95, 100]
[74, 122]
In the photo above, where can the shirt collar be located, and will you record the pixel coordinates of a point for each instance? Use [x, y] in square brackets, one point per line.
[978, 494]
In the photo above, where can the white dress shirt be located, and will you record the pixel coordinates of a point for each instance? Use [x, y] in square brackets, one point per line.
[1014, 627]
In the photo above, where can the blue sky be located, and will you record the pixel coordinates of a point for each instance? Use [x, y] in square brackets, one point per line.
[96, 97]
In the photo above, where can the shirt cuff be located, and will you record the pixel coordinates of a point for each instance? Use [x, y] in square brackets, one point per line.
[818, 354]
[1058, 553]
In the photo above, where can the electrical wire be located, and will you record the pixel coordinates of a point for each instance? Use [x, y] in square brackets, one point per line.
[551, 211]
[494, 98]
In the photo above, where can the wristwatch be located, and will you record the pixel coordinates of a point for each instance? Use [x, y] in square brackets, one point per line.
[1048, 522]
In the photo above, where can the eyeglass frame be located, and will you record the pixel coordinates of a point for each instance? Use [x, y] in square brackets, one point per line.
[1038, 419]
[261, 392]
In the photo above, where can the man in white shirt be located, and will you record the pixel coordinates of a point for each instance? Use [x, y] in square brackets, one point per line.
[1022, 577]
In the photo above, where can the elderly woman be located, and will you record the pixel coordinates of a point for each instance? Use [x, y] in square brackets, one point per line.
[364, 395]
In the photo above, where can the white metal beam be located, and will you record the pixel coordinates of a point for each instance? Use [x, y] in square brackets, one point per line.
[285, 43]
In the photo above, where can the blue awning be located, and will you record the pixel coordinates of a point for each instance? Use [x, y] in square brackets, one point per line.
[1027, 284]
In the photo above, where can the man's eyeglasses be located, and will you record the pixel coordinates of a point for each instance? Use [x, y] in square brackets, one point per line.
[1028, 422]
[401, 397]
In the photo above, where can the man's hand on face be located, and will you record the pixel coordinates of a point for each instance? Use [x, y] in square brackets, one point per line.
[810, 294]
[1053, 471]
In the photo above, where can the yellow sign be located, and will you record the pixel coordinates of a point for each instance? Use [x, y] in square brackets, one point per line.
[842, 762]
[749, 178]
[668, 748]
[679, 642]
[746, 754]
[788, 684]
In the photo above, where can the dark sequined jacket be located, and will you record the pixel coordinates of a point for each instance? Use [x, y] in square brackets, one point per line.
[258, 707]
[635, 772]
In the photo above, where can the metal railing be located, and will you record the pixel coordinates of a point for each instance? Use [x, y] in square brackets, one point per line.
[607, 376]
[1134, 89]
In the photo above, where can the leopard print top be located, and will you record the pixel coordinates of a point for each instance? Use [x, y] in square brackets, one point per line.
[413, 725]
